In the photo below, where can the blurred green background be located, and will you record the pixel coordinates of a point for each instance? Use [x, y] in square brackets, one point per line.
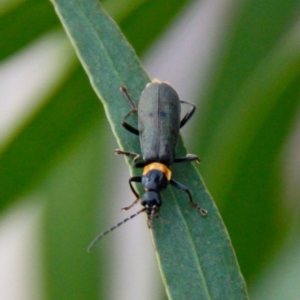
[238, 60]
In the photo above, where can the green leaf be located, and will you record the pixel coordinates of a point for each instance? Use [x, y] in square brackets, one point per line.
[194, 253]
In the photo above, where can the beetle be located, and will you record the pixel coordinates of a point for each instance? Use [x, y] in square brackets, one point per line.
[159, 123]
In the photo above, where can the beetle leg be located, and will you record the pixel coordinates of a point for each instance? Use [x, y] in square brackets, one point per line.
[131, 103]
[185, 189]
[128, 153]
[135, 156]
[188, 114]
[129, 127]
[133, 179]
[133, 110]
[132, 204]
[188, 158]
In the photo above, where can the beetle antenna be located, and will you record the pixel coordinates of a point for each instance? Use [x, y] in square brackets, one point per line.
[101, 235]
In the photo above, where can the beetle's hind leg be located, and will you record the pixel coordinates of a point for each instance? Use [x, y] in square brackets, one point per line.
[185, 189]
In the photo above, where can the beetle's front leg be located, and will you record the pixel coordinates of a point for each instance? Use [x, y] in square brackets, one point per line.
[133, 179]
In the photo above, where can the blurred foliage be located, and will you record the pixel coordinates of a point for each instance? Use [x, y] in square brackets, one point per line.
[246, 117]
[244, 124]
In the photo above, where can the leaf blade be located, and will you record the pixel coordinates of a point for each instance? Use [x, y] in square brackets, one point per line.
[114, 65]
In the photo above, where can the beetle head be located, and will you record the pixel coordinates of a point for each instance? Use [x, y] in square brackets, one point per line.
[151, 200]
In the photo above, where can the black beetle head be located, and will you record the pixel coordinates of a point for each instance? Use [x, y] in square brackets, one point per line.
[151, 200]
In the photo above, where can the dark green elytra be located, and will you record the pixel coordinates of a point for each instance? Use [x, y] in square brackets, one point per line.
[159, 122]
